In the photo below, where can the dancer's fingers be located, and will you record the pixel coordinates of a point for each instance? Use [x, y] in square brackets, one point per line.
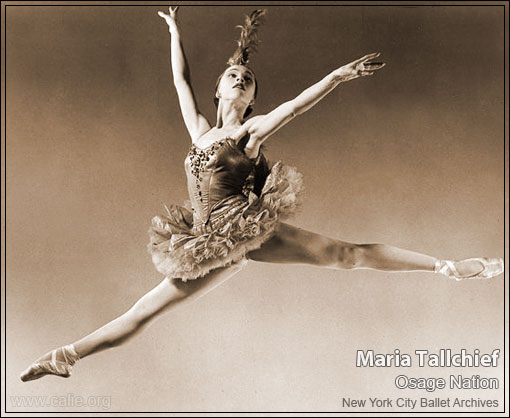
[366, 58]
[173, 12]
[372, 66]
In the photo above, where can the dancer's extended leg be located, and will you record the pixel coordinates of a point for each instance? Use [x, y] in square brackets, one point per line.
[298, 246]
[167, 295]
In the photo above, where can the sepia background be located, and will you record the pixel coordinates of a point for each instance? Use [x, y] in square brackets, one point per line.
[413, 157]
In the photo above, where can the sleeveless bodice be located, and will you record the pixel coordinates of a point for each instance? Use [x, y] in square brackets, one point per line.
[238, 204]
[218, 172]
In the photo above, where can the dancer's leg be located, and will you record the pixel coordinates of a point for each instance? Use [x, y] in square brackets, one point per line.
[298, 246]
[167, 295]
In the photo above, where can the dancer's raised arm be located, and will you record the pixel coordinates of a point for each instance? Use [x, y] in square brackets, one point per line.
[261, 127]
[195, 122]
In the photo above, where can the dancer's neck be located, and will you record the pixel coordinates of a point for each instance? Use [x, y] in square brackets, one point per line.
[230, 114]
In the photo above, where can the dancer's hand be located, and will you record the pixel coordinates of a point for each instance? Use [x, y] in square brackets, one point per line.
[359, 68]
[170, 18]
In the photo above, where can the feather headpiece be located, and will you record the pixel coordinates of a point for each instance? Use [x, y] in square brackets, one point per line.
[248, 40]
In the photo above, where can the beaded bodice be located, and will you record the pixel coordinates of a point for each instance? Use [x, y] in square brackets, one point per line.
[216, 173]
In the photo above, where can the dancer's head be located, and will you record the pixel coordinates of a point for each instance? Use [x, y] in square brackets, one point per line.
[238, 81]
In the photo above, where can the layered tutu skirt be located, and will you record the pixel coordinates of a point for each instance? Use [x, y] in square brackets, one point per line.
[237, 224]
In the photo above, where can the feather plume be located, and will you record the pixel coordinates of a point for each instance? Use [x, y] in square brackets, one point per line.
[248, 39]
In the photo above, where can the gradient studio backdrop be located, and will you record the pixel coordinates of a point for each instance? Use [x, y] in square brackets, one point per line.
[412, 156]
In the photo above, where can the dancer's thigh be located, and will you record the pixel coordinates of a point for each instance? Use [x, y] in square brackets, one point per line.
[295, 245]
[199, 287]
[174, 291]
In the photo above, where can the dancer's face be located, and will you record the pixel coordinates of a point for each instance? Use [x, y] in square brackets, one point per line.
[237, 83]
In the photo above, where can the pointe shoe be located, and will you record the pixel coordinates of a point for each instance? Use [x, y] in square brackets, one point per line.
[492, 267]
[56, 367]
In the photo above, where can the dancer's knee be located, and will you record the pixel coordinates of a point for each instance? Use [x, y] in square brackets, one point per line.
[350, 256]
[366, 254]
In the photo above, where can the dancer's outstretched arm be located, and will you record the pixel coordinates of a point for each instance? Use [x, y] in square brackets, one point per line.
[195, 122]
[262, 126]
[167, 295]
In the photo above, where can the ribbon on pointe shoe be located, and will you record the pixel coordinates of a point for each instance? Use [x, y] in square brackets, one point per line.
[53, 366]
[492, 267]
[70, 354]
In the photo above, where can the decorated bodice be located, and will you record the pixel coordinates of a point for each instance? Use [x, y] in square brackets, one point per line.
[220, 171]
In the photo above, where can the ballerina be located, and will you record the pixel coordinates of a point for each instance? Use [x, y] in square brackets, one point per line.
[239, 203]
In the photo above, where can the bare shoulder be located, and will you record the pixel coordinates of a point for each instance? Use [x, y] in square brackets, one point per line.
[209, 135]
[253, 121]
[202, 128]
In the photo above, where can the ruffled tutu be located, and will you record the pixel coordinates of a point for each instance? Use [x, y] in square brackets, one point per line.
[237, 225]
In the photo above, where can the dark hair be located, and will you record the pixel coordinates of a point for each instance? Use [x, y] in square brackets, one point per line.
[216, 101]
